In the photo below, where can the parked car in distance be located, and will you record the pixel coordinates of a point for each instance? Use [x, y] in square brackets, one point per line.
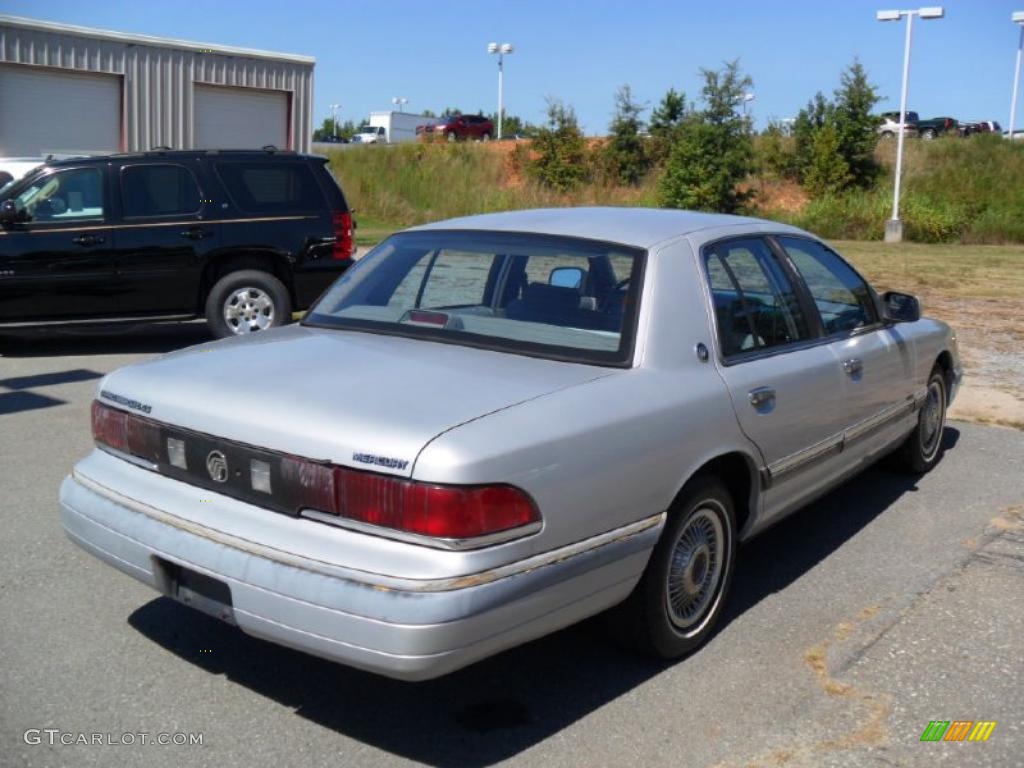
[985, 126]
[240, 237]
[543, 415]
[934, 127]
[889, 127]
[332, 139]
[457, 127]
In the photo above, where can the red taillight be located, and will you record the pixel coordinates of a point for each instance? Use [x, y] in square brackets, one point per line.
[427, 509]
[344, 236]
[124, 432]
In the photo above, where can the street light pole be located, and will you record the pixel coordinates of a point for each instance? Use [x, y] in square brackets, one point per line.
[334, 117]
[501, 50]
[400, 102]
[1018, 18]
[894, 227]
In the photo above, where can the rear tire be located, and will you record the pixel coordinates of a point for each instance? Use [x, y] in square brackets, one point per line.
[923, 447]
[450, 136]
[677, 603]
[247, 301]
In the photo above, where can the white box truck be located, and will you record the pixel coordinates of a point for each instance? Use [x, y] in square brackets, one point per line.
[391, 127]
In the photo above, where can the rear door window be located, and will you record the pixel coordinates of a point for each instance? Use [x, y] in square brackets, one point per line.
[756, 306]
[159, 190]
[271, 187]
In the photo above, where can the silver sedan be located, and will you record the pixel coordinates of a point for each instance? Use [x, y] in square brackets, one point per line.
[493, 427]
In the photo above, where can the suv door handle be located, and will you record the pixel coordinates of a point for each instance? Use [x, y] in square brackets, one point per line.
[87, 240]
[853, 366]
[194, 233]
[762, 398]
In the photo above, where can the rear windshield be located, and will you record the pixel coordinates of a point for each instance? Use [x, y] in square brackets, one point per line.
[557, 297]
[271, 187]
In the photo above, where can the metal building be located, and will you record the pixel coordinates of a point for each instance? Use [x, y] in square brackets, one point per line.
[68, 89]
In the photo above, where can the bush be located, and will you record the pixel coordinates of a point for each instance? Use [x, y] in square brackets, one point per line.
[827, 172]
[561, 150]
[624, 154]
[774, 154]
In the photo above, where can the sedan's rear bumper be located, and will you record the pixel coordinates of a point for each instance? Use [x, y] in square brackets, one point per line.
[413, 633]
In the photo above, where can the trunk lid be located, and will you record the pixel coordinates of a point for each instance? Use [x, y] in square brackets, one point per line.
[355, 399]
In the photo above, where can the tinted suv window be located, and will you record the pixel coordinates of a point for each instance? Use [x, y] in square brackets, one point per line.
[158, 190]
[843, 298]
[755, 304]
[271, 187]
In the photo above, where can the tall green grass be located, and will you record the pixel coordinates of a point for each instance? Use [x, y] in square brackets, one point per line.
[394, 187]
[955, 190]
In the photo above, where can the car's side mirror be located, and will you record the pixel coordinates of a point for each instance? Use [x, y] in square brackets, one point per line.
[8, 212]
[900, 307]
[566, 277]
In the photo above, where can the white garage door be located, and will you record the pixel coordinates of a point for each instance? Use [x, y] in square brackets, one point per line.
[42, 110]
[240, 118]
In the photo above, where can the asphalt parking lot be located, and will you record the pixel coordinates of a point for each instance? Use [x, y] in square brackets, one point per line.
[890, 603]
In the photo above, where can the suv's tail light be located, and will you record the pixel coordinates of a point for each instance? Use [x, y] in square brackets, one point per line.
[344, 236]
[408, 506]
[125, 432]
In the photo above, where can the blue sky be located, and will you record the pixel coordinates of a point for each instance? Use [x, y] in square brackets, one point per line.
[434, 52]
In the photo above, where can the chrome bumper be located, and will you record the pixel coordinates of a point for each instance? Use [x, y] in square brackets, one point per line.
[416, 631]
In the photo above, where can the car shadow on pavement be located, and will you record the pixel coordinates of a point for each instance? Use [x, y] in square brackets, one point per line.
[111, 339]
[504, 705]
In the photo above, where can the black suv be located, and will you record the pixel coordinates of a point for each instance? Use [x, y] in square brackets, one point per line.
[242, 237]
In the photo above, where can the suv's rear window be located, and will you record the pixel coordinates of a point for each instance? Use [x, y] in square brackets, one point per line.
[271, 187]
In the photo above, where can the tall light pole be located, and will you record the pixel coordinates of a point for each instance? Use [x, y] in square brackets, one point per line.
[399, 102]
[334, 117]
[501, 49]
[894, 227]
[1018, 18]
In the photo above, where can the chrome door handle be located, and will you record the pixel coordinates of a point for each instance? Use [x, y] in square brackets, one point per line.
[853, 366]
[87, 240]
[762, 397]
[195, 233]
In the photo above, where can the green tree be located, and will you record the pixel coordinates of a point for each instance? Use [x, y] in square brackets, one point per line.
[774, 154]
[809, 121]
[669, 114]
[624, 151]
[713, 150]
[855, 124]
[827, 172]
[345, 130]
[561, 149]
[849, 113]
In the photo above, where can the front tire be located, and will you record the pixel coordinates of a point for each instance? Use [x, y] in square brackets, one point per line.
[923, 448]
[928, 134]
[679, 599]
[247, 301]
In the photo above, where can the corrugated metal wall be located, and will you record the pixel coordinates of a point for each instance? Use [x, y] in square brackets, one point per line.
[157, 105]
